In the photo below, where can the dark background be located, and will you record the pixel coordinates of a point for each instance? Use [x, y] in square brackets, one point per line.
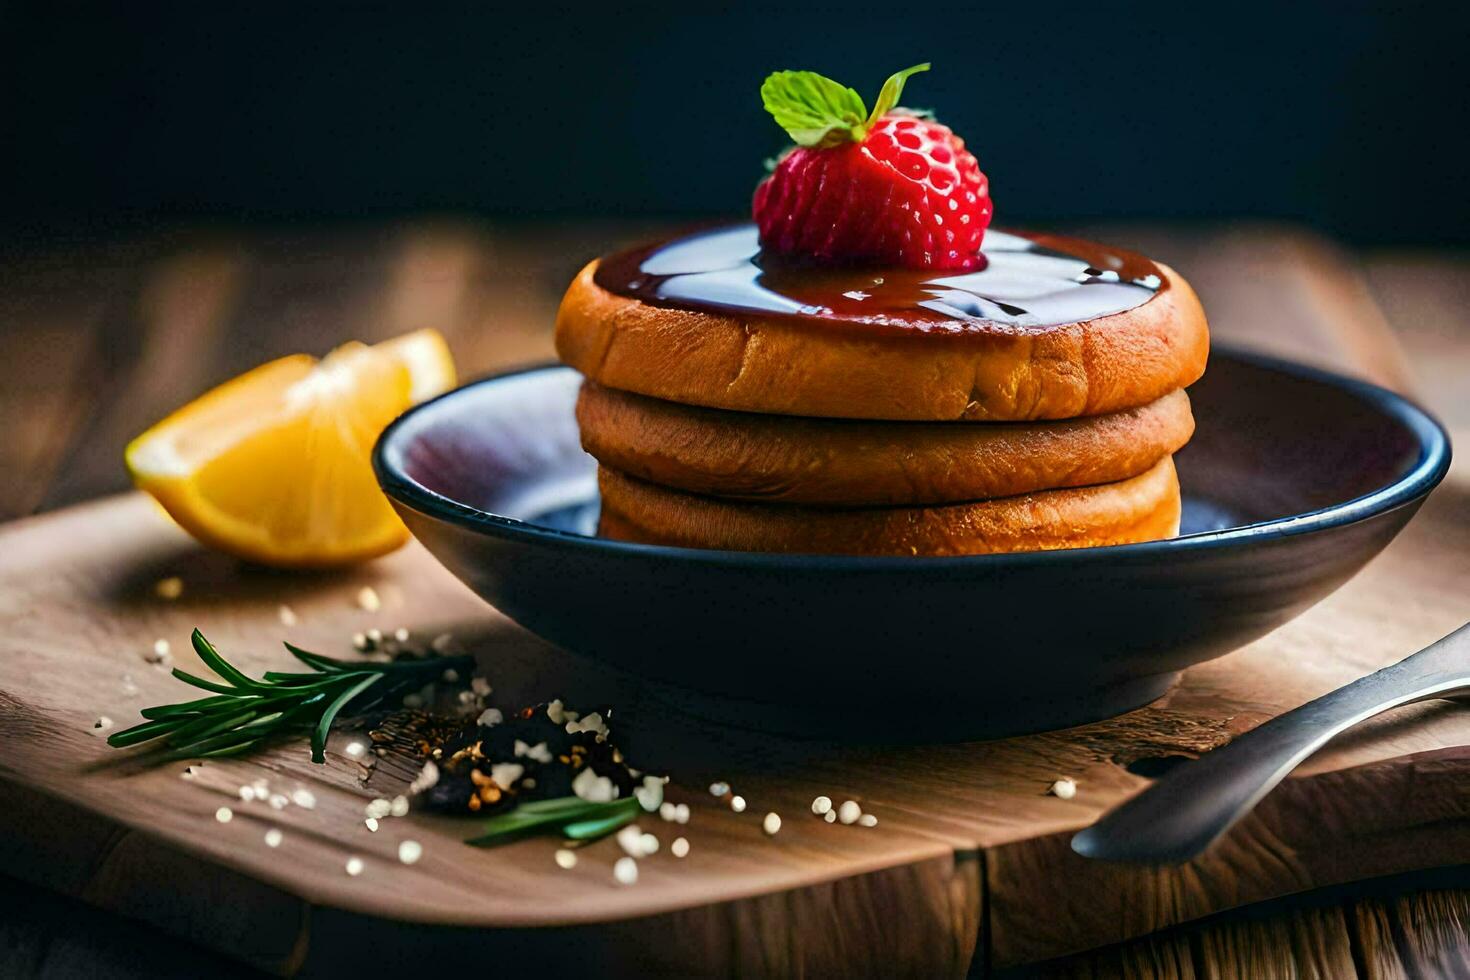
[1348, 116]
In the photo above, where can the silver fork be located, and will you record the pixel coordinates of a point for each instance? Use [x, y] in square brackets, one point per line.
[1183, 813]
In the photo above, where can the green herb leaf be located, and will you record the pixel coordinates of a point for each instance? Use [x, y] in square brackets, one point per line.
[218, 664]
[564, 813]
[573, 806]
[892, 92]
[599, 827]
[324, 723]
[318, 662]
[817, 111]
[142, 733]
[812, 108]
[244, 713]
[200, 682]
[185, 707]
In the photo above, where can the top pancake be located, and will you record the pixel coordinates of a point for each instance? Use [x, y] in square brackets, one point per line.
[817, 351]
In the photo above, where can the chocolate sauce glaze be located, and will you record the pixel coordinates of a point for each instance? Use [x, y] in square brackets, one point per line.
[1026, 282]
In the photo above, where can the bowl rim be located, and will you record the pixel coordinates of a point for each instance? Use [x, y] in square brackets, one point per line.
[1424, 476]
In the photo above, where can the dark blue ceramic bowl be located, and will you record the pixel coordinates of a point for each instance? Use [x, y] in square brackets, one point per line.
[1294, 479]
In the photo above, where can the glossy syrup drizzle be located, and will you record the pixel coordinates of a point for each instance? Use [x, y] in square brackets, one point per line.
[1025, 283]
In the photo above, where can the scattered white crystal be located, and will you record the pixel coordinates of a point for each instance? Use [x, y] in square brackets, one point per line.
[490, 717]
[868, 820]
[399, 806]
[410, 851]
[354, 866]
[286, 614]
[679, 848]
[857, 294]
[630, 839]
[681, 813]
[1063, 789]
[401, 634]
[367, 599]
[650, 794]
[273, 837]
[354, 750]
[481, 688]
[303, 798]
[427, 777]
[626, 871]
[718, 789]
[160, 654]
[592, 723]
[538, 752]
[450, 676]
[506, 773]
[849, 812]
[822, 805]
[224, 814]
[247, 793]
[737, 803]
[592, 787]
[668, 812]
[771, 824]
[278, 801]
[441, 643]
[378, 808]
[566, 858]
[371, 823]
[830, 816]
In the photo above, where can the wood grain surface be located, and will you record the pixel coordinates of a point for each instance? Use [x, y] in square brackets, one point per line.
[968, 865]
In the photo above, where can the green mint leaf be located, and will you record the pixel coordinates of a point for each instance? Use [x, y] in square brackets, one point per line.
[813, 109]
[892, 91]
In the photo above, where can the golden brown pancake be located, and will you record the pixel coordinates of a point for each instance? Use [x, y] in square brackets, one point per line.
[894, 367]
[1142, 508]
[836, 461]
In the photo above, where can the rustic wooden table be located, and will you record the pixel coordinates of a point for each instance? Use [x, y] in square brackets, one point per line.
[99, 341]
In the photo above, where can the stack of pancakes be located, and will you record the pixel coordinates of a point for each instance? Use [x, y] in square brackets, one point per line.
[884, 435]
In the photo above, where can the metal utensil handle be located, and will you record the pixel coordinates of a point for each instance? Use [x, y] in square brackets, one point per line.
[1185, 811]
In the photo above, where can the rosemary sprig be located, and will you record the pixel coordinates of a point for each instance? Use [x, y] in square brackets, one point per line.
[243, 712]
[576, 818]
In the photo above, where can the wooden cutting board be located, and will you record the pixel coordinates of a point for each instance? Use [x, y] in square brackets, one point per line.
[969, 848]
[969, 861]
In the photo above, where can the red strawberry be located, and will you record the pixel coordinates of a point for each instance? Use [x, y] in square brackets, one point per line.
[891, 189]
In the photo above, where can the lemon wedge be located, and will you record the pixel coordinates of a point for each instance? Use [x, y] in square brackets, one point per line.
[274, 466]
[426, 355]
